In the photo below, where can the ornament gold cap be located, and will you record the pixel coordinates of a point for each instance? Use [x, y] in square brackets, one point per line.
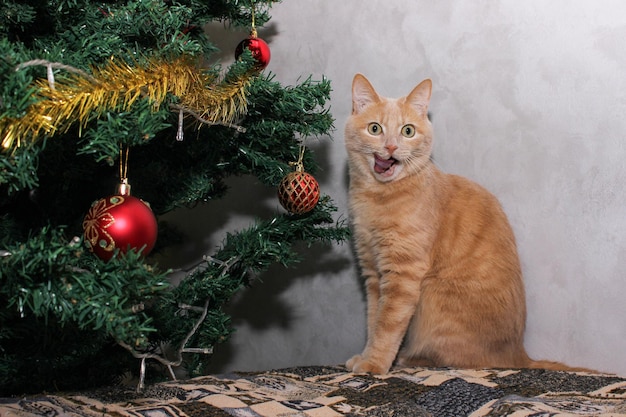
[124, 187]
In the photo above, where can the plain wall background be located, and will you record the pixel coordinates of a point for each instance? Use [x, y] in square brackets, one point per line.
[529, 100]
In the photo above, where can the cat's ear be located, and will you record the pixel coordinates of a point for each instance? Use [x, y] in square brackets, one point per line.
[363, 94]
[419, 98]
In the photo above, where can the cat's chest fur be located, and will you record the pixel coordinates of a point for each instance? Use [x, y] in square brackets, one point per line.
[402, 213]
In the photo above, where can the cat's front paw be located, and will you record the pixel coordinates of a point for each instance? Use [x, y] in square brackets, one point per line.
[353, 360]
[361, 365]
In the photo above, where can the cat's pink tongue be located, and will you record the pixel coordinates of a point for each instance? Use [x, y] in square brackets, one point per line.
[382, 165]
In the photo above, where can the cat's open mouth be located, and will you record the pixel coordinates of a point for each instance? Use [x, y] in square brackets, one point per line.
[384, 166]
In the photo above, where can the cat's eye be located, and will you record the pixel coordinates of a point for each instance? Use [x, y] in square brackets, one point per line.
[408, 131]
[374, 129]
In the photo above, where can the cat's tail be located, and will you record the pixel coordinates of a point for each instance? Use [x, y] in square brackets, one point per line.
[557, 366]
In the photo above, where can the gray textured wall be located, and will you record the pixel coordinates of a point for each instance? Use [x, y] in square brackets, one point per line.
[529, 100]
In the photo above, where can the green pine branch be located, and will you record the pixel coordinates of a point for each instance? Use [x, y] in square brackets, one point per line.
[47, 276]
[242, 257]
[64, 313]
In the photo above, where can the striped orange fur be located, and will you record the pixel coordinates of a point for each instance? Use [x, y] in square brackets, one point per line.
[436, 250]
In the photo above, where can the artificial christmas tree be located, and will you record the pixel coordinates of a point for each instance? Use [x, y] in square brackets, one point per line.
[83, 83]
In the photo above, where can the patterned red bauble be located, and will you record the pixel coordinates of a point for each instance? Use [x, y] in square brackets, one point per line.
[260, 50]
[298, 192]
[119, 222]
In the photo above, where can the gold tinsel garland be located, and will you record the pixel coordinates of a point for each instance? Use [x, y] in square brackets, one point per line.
[77, 97]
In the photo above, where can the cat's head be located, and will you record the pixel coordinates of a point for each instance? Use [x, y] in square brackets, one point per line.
[386, 138]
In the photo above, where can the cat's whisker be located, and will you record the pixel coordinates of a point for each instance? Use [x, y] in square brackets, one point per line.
[416, 162]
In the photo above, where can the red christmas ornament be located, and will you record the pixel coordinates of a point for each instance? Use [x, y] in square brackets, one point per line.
[298, 192]
[120, 221]
[260, 50]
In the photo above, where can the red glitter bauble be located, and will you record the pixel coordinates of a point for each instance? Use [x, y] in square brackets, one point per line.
[119, 222]
[260, 50]
[298, 192]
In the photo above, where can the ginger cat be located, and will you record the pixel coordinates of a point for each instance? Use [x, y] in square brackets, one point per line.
[436, 250]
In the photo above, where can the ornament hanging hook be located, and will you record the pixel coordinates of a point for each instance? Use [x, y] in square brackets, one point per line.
[124, 187]
[253, 31]
[299, 164]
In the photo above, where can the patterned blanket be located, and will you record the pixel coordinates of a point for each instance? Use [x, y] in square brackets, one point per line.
[331, 391]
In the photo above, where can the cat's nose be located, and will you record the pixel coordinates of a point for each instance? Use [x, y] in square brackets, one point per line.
[391, 148]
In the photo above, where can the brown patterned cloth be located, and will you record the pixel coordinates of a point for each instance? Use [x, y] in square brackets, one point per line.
[331, 391]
